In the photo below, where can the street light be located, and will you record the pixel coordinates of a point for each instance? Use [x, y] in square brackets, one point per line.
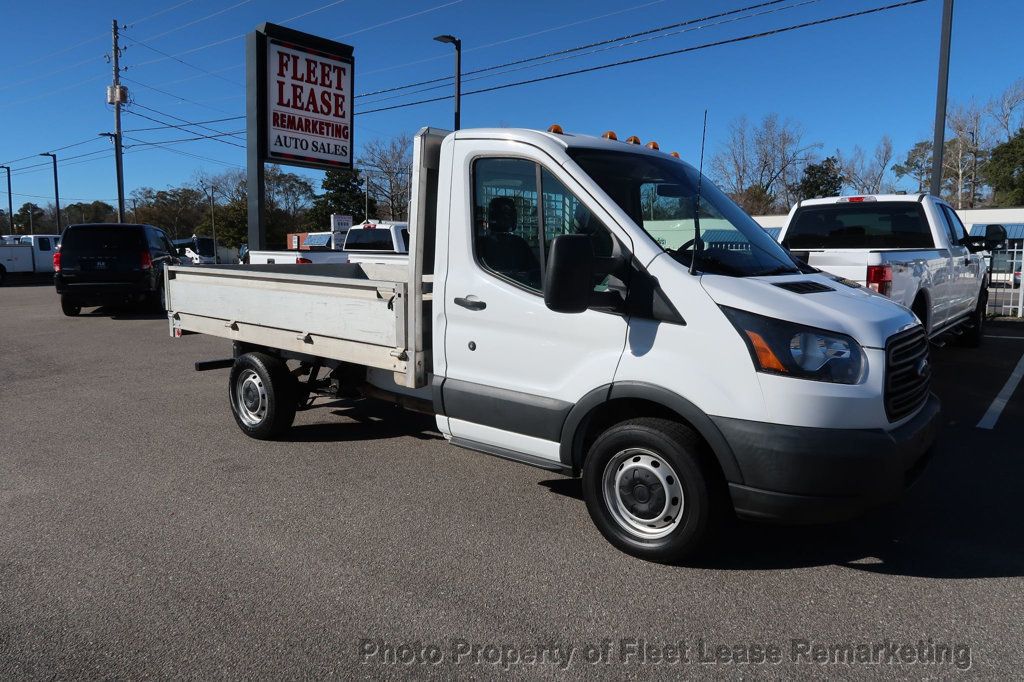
[10, 203]
[56, 189]
[452, 40]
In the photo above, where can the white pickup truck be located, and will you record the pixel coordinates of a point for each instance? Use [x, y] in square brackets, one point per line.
[911, 248]
[27, 254]
[540, 321]
[374, 241]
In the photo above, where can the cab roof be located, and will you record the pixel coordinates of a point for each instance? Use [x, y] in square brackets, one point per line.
[558, 141]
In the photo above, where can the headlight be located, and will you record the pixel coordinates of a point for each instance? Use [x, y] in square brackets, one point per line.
[790, 349]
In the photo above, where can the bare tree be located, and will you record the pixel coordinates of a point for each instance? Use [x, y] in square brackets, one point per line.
[966, 151]
[1004, 110]
[864, 175]
[388, 166]
[760, 166]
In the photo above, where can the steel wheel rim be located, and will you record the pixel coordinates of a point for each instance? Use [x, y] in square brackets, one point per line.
[643, 493]
[251, 400]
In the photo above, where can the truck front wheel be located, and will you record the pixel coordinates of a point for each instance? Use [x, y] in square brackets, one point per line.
[648, 490]
[263, 395]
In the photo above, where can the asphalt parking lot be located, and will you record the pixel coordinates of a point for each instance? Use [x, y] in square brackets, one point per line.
[141, 534]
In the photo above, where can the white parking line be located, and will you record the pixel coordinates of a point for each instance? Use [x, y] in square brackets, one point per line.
[996, 408]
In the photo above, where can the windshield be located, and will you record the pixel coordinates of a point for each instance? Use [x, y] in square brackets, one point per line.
[204, 246]
[659, 194]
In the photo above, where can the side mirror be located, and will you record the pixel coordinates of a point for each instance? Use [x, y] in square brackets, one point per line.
[995, 236]
[569, 278]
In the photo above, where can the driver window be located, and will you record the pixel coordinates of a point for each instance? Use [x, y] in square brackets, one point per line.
[508, 240]
[505, 235]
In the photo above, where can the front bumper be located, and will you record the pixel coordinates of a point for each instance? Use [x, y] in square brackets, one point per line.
[807, 475]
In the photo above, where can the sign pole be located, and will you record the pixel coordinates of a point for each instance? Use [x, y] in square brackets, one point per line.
[255, 76]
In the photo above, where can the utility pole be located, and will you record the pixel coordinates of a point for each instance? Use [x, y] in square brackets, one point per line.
[117, 95]
[56, 189]
[938, 142]
[10, 202]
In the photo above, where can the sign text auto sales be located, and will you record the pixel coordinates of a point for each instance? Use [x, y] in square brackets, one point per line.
[309, 106]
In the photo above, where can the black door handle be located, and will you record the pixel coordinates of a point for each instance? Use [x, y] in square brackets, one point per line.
[470, 303]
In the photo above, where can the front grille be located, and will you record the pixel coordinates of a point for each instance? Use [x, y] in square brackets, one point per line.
[907, 373]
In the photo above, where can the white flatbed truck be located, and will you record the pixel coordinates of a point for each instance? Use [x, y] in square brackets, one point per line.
[540, 321]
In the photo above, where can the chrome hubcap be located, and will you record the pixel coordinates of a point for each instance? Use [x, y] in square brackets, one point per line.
[643, 493]
[250, 398]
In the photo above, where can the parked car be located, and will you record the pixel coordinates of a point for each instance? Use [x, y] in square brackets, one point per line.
[911, 248]
[1005, 271]
[107, 264]
[373, 241]
[202, 251]
[541, 321]
[27, 254]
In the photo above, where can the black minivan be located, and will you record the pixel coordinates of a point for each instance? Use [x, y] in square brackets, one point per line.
[108, 264]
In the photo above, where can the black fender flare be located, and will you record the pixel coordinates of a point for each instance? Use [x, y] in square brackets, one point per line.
[571, 443]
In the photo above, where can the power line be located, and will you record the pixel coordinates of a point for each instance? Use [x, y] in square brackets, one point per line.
[179, 60]
[197, 21]
[171, 125]
[194, 139]
[407, 16]
[159, 146]
[518, 37]
[659, 55]
[574, 54]
[171, 94]
[688, 22]
[183, 128]
[57, 149]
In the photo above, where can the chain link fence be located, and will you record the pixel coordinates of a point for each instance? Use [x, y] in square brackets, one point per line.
[1005, 293]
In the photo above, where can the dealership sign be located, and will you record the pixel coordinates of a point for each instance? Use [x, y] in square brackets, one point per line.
[300, 98]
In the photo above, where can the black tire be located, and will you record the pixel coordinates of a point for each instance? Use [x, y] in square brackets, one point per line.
[263, 395]
[972, 335]
[69, 308]
[3, 274]
[632, 448]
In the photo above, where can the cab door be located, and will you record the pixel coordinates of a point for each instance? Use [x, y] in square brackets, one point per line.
[513, 369]
[967, 266]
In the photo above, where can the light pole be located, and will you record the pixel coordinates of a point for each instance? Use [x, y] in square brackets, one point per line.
[10, 203]
[56, 188]
[939, 138]
[458, 75]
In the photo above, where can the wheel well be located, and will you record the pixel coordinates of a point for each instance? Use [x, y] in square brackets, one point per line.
[612, 412]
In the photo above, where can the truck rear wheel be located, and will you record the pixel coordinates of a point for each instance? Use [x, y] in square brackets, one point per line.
[69, 307]
[263, 395]
[3, 274]
[648, 490]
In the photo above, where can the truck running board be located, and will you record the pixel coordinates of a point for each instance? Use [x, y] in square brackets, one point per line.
[503, 453]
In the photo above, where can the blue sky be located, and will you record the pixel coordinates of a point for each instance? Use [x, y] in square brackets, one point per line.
[846, 83]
